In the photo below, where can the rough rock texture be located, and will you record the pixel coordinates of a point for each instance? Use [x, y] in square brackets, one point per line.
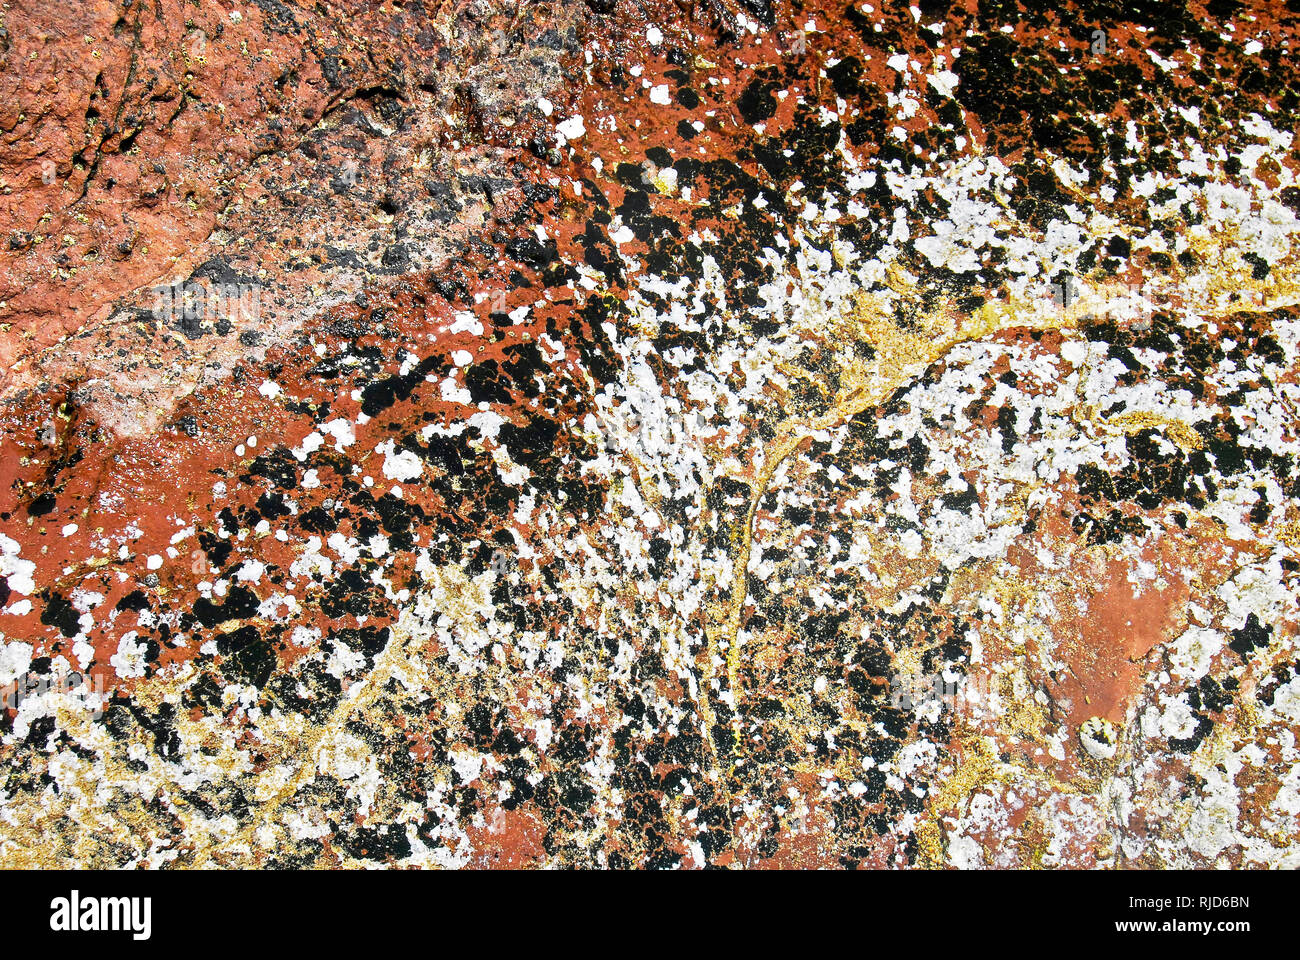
[650, 434]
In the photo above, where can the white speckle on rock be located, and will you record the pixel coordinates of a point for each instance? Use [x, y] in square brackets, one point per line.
[14, 568]
[466, 322]
[251, 571]
[129, 661]
[572, 129]
[400, 465]
[15, 658]
[944, 82]
[1099, 738]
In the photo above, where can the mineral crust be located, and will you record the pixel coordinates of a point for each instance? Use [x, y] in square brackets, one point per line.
[639, 433]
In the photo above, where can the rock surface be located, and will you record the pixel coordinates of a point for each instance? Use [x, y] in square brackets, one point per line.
[649, 434]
